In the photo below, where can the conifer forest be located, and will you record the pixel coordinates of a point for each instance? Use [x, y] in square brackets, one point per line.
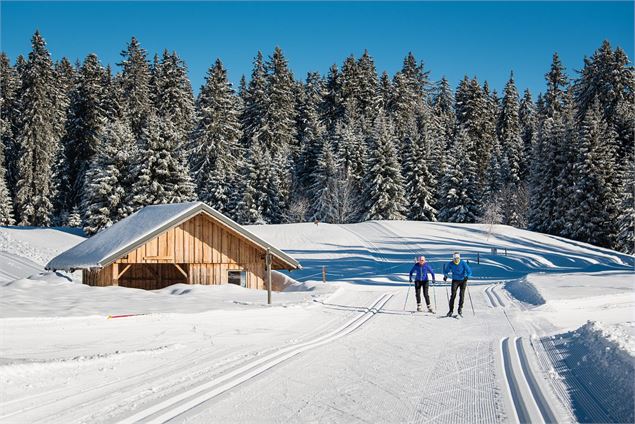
[85, 145]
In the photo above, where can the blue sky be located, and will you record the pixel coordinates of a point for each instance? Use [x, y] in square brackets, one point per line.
[453, 38]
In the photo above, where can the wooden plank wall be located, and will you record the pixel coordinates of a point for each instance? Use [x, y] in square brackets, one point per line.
[202, 247]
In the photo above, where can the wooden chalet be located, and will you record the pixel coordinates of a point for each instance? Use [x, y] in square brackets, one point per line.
[161, 245]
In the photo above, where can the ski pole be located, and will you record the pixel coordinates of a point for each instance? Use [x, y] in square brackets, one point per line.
[470, 296]
[407, 293]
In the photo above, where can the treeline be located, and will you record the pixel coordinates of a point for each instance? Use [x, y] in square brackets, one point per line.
[85, 146]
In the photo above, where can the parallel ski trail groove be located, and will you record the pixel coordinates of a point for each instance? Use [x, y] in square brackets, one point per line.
[177, 405]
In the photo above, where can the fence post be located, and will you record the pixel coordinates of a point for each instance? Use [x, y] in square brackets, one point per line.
[478, 258]
[505, 251]
[268, 261]
[324, 274]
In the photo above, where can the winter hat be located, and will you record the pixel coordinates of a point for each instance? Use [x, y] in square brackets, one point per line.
[456, 256]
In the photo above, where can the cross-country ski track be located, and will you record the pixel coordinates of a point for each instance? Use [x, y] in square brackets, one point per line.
[358, 353]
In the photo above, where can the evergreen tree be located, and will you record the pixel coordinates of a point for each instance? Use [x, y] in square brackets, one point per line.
[420, 186]
[625, 241]
[86, 118]
[135, 86]
[593, 206]
[383, 183]
[37, 137]
[215, 154]
[333, 102]
[6, 205]
[278, 131]
[311, 132]
[367, 93]
[109, 178]
[113, 103]
[161, 171]
[442, 128]
[324, 188]
[509, 135]
[351, 153]
[527, 117]
[174, 99]
[459, 184]
[9, 107]
[260, 202]
[548, 156]
[254, 99]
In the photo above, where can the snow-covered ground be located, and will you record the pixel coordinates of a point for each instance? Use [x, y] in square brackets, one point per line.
[348, 351]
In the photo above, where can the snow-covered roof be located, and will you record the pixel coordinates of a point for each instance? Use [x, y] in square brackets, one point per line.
[110, 244]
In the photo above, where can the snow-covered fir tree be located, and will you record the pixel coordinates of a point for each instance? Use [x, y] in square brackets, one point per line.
[86, 118]
[593, 206]
[173, 97]
[333, 102]
[351, 154]
[38, 137]
[551, 135]
[458, 186]
[625, 240]
[9, 107]
[6, 205]
[509, 135]
[383, 183]
[261, 201]
[135, 86]
[161, 173]
[443, 125]
[109, 178]
[215, 154]
[527, 118]
[420, 185]
[254, 105]
[366, 93]
[278, 130]
[311, 132]
[325, 180]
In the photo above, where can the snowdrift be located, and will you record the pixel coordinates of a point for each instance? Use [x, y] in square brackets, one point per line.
[599, 360]
[525, 291]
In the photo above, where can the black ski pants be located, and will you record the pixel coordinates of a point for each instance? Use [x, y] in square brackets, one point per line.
[456, 285]
[418, 286]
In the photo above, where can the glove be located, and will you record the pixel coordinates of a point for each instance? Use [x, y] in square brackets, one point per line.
[465, 280]
[445, 278]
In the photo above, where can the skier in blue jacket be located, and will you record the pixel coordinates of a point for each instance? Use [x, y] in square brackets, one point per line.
[460, 273]
[421, 269]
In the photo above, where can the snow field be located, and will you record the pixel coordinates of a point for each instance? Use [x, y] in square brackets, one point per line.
[196, 352]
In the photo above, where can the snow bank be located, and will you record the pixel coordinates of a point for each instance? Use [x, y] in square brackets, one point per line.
[525, 291]
[50, 294]
[610, 350]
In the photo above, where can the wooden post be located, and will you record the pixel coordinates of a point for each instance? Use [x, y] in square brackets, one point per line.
[324, 274]
[115, 274]
[268, 275]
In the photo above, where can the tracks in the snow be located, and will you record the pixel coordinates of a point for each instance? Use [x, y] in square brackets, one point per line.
[494, 298]
[529, 402]
[183, 402]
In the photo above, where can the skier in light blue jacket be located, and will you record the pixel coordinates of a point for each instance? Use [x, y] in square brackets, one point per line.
[461, 272]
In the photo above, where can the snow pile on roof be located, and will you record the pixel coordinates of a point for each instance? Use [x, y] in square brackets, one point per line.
[92, 252]
[107, 245]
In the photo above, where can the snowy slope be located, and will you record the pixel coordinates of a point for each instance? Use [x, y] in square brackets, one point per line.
[199, 352]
